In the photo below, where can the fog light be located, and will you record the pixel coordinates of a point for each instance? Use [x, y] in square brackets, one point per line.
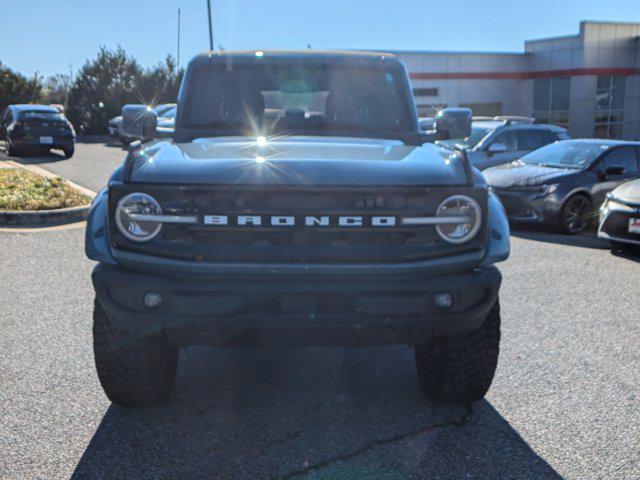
[443, 300]
[152, 300]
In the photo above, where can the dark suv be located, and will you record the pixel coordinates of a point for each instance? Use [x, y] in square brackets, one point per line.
[296, 204]
[36, 127]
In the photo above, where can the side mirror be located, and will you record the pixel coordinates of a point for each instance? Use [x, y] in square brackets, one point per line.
[453, 123]
[614, 170]
[139, 121]
[497, 148]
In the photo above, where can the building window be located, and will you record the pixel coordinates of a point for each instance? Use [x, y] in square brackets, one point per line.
[610, 106]
[490, 109]
[426, 92]
[551, 100]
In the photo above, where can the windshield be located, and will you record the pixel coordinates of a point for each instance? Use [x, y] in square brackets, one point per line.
[565, 154]
[313, 99]
[477, 134]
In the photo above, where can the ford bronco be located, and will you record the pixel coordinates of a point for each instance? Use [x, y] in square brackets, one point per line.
[296, 203]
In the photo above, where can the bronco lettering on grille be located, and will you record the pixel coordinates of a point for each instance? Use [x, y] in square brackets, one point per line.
[298, 221]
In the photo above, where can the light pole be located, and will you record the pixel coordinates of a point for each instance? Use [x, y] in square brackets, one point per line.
[178, 59]
[210, 27]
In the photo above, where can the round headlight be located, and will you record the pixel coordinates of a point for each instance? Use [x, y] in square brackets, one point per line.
[461, 219]
[130, 217]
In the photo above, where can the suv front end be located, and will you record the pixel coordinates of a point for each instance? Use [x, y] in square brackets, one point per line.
[338, 227]
[374, 268]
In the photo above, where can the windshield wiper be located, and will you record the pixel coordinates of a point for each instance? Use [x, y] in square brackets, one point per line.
[345, 126]
[556, 165]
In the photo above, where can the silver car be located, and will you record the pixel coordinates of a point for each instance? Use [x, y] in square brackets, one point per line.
[498, 141]
[115, 124]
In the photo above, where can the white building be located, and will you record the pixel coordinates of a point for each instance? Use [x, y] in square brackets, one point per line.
[588, 82]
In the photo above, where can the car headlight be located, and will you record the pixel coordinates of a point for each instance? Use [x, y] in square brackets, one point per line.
[613, 203]
[460, 219]
[132, 217]
[537, 190]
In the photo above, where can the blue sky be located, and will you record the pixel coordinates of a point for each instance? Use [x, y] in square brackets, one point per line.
[48, 36]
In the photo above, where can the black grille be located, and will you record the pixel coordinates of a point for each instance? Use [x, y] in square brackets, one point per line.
[617, 225]
[266, 244]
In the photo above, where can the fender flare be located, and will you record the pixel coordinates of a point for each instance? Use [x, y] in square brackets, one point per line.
[96, 238]
[498, 245]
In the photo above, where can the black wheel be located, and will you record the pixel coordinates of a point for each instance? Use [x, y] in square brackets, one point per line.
[133, 369]
[68, 152]
[125, 140]
[460, 368]
[575, 214]
[11, 150]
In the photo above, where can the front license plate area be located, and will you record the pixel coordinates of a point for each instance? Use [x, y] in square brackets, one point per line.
[46, 140]
[634, 225]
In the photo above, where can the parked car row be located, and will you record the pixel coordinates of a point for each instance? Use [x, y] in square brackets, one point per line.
[166, 121]
[542, 176]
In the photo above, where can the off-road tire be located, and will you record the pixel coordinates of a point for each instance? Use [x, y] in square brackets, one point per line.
[133, 369]
[460, 368]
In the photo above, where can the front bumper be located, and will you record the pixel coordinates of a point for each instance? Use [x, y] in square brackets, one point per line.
[32, 141]
[614, 224]
[529, 206]
[252, 310]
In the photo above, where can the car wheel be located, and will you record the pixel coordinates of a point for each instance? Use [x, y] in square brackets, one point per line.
[68, 152]
[134, 369]
[575, 214]
[11, 150]
[460, 368]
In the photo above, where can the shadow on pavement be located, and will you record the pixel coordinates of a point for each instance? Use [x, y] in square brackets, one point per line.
[630, 253]
[305, 413]
[588, 239]
[106, 140]
[37, 158]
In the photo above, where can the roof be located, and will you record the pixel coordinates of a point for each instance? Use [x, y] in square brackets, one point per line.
[295, 56]
[28, 106]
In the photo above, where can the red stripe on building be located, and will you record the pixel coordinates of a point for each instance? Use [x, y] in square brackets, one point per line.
[571, 72]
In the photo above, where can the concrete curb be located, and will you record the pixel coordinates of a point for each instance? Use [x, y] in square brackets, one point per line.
[38, 218]
[41, 218]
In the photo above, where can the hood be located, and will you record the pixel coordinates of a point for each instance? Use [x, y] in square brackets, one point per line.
[518, 173]
[294, 160]
[628, 192]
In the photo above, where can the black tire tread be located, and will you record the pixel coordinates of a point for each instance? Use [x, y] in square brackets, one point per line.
[460, 368]
[133, 369]
[562, 226]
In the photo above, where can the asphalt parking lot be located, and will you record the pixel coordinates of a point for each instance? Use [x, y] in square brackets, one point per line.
[564, 403]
